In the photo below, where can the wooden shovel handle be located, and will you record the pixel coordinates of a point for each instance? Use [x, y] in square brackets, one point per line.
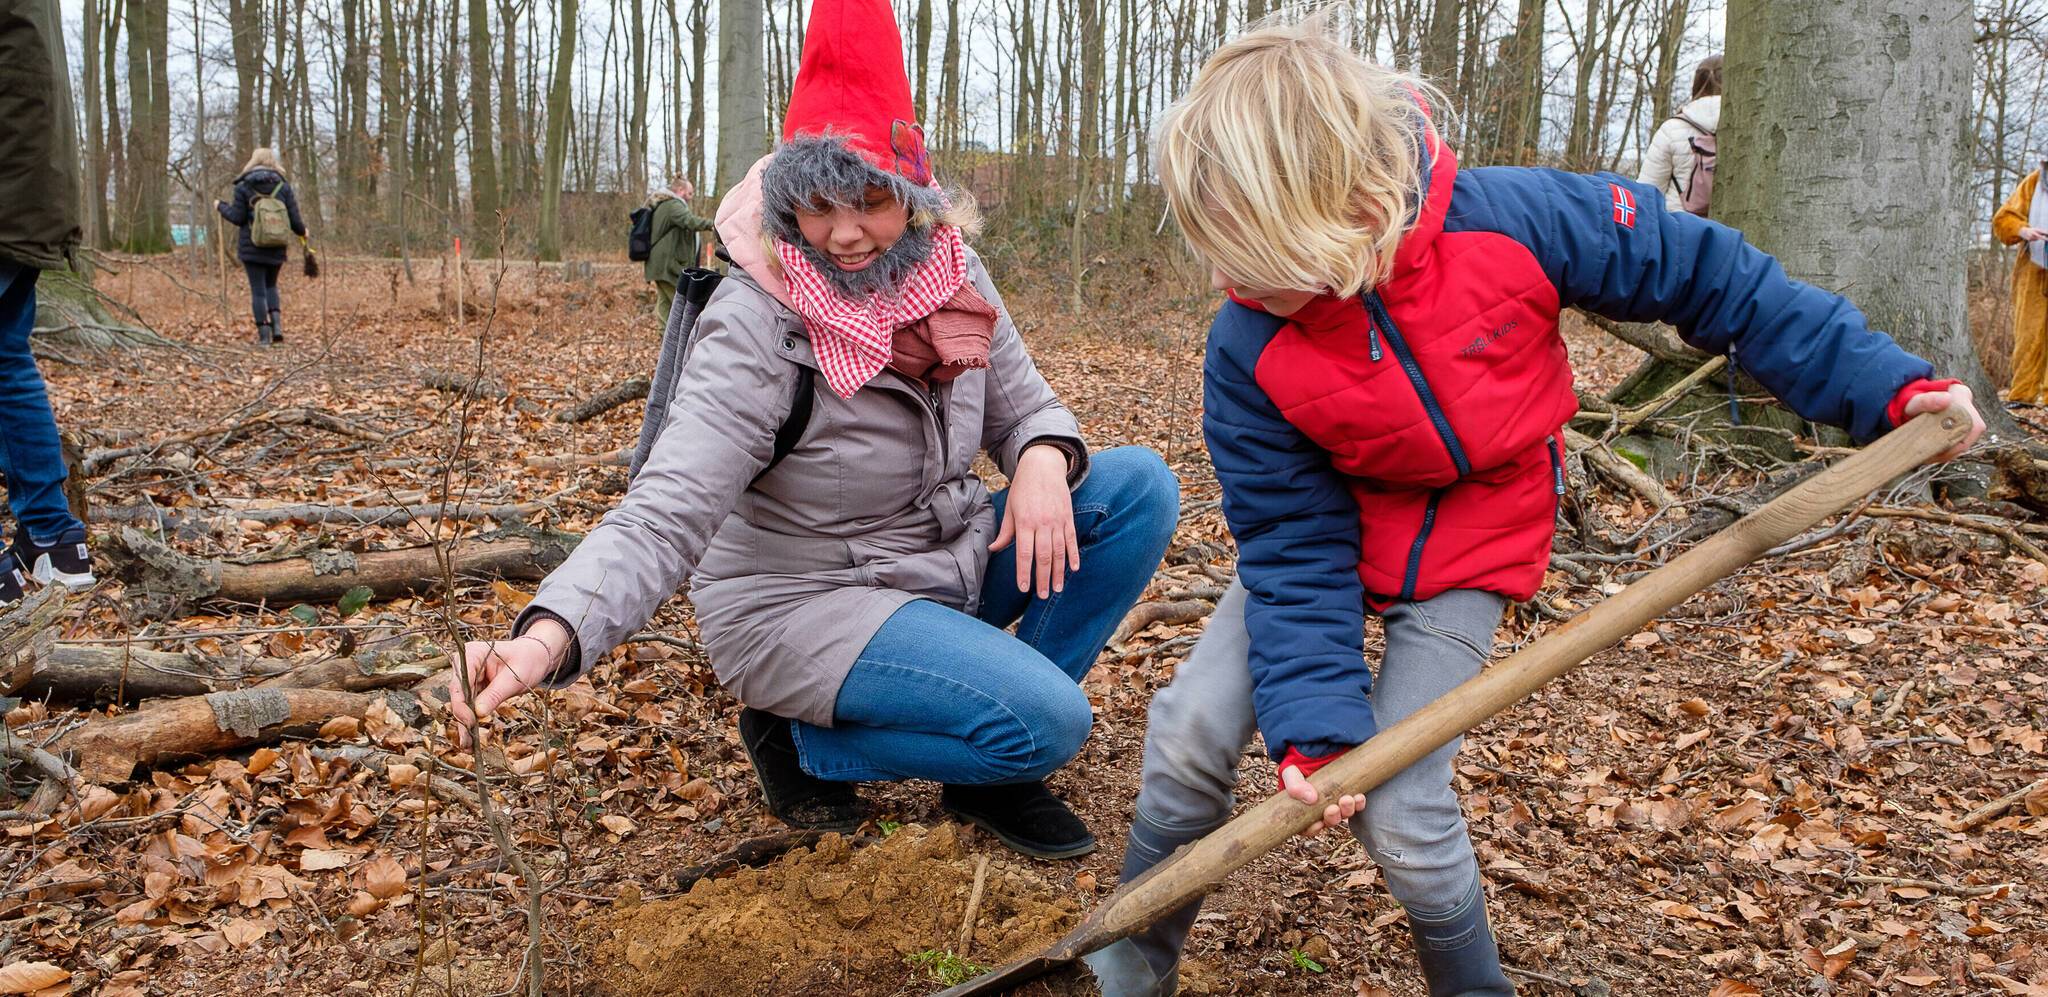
[1196, 869]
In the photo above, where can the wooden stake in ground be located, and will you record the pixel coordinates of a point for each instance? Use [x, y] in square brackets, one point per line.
[1199, 868]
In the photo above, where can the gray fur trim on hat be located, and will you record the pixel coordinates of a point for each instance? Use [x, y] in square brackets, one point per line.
[813, 169]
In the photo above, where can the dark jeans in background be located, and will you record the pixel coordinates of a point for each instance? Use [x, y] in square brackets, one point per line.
[262, 290]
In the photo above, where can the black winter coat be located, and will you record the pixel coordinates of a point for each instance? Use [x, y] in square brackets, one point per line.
[248, 187]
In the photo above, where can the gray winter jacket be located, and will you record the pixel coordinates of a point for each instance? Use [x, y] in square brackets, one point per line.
[792, 574]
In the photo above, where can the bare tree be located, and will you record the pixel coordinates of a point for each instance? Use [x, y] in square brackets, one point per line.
[558, 137]
[742, 107]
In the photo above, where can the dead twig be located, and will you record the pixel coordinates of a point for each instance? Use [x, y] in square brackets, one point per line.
[973, 904]
[1975, 818]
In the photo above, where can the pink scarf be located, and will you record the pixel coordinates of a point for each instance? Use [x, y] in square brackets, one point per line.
[854, 340]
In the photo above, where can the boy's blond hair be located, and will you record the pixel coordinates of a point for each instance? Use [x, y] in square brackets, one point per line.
[1293, 163]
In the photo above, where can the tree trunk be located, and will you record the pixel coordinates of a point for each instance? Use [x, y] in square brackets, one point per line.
[391, 126]
[949, 81]
[149, 109]
[1664, 84]
[921, 60]
[245, 41]
[1873, 206]
[1440, 45]
[306, 157]
[95, 130]
[1522, 100]
[700, 42]
[483, 154]
[636, 128]
[1579, 141]
[742, 109]
[511, 137]
[117, 153]
[558, 136]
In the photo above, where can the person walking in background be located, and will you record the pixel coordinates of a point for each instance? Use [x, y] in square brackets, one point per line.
[38, 231]
[676, 246]
[1680, 158]
[267, 212]
[2023, 221]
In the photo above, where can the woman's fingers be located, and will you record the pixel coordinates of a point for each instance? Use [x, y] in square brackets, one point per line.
[1027, 540]
[1047, 557]
[1004, 531]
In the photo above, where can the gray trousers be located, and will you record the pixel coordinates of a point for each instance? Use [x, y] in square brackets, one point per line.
[1412, 826]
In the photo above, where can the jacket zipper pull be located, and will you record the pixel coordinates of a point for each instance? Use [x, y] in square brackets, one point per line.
[1372, 327]
[1557, 465]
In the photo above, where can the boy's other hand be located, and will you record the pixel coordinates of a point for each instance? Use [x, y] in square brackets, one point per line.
[1294, 784]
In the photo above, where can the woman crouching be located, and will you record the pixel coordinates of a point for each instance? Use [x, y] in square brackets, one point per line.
[853, 595]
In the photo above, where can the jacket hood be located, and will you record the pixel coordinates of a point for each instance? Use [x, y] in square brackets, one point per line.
[1706, 112]
[740, 231]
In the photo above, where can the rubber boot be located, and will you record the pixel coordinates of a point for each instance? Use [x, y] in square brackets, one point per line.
[1457, 951]
[276, 328]
[264, 333]
[1147, 964]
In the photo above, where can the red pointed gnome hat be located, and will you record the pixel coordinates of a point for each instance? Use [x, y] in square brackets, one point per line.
[851, 84]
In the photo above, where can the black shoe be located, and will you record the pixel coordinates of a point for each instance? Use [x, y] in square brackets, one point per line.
[1023, 815]
[263, 334]
[276, 328]
[799, 798]
[65, 562]
[10, 584]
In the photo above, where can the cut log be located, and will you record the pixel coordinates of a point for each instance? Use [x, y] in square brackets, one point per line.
[516, 552]
[108, 750]
[80, 673]
[27, 635]
[628, 390]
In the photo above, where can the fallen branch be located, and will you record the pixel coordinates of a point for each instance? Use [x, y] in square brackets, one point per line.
[1146, 614]
[558, 462]
[1657, 340]
[27, 636]
[108, 750]
[973, 904]
[1619, 470]
[82, 673]
[379, 761]
[751, 853]
[42, 761]
[1993, 809]
[1936, 886]
[1624, 422]
[354, 515]
[628, 390]
[516, 552]
[2008, 534]
[470, 384]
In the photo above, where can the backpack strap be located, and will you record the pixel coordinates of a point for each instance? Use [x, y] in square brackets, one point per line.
[799, 419]
[1696, 126]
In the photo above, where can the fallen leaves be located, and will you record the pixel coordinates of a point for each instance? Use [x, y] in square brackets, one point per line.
[30, 977]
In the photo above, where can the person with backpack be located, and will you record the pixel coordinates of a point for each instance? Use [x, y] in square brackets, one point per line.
[267, 213]
[39, 231]
[1680, 158]
[669, 230]
[2023, 221]
[854, 580]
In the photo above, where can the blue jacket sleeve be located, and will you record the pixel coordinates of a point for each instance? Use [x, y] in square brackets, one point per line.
[1611, 246]
[1296, 527]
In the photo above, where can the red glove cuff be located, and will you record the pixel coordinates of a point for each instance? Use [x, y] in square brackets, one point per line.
[1913, 389]
[1307, 765]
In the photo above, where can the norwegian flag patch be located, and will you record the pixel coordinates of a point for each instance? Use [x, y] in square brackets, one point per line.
[1624, 206]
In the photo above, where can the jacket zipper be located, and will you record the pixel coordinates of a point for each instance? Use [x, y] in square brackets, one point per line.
[1556, 464]
[1385, 324]
[1415, 550]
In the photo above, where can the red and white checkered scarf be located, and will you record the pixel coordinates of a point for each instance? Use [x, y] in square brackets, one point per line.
[854, 340]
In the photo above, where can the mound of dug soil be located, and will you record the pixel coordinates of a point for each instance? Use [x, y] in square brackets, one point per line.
[831, 919]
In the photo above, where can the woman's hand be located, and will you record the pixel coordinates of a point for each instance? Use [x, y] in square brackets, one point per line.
[1039, 516]
[500, 670]
[2029, 233]
[1942, 401]
[1294, 784]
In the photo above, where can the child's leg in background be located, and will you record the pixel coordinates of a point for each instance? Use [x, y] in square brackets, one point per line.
[1196, 732]
[1412, 824]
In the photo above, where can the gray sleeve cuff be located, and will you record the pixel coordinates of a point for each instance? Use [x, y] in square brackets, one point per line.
[571, 667]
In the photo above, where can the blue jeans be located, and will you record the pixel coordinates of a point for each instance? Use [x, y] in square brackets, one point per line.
[30, 455]
[941, 695]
